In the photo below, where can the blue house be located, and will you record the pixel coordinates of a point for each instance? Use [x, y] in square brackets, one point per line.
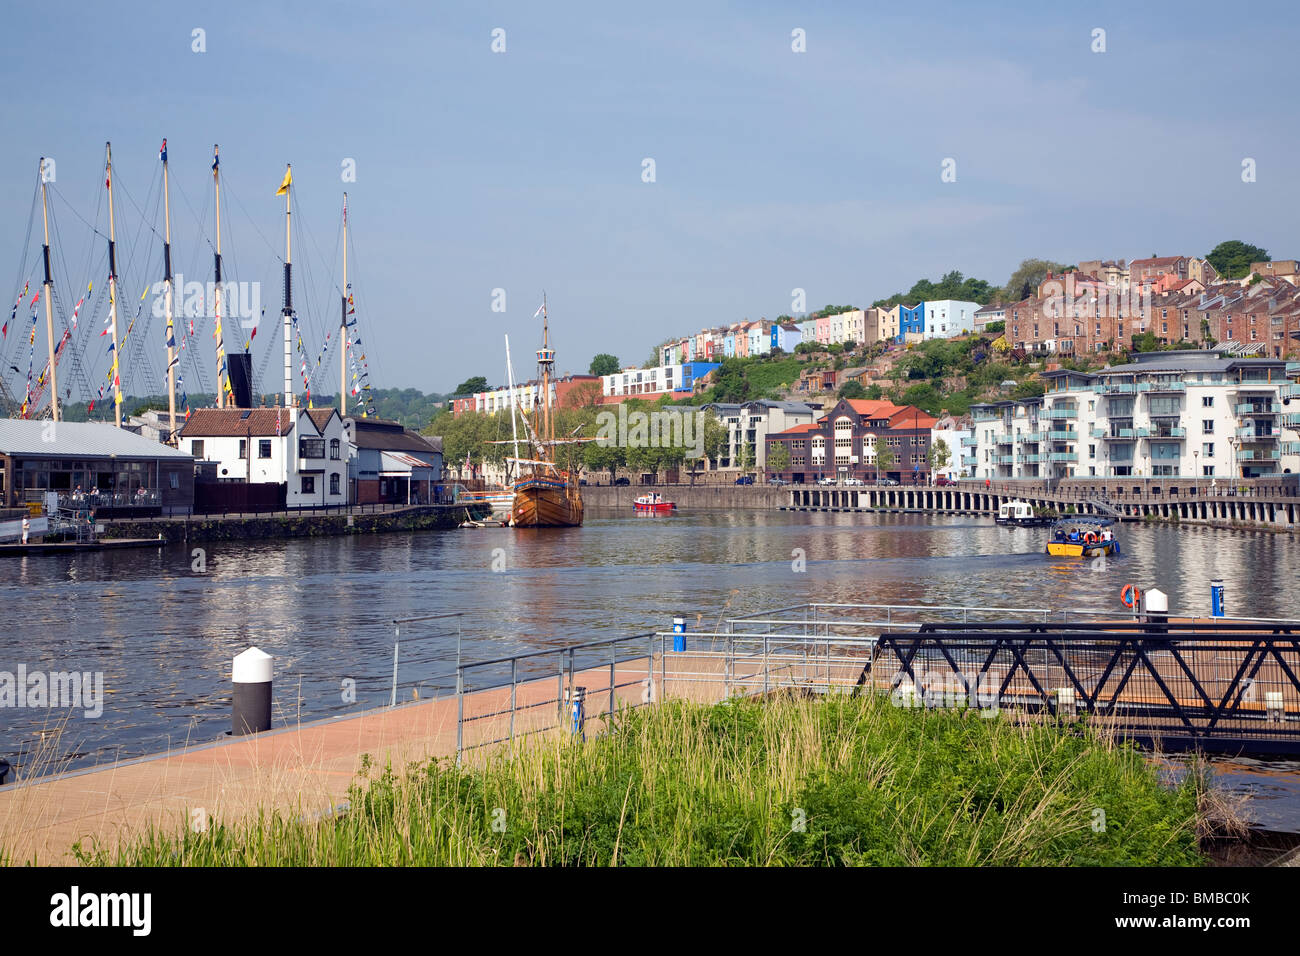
[911, 319]
[692, 371]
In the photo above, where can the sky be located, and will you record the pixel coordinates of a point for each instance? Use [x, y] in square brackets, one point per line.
[774, 170]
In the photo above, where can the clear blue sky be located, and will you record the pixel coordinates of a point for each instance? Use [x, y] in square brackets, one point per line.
[522, 170]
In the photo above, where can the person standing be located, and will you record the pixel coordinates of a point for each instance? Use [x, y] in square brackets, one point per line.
[27, 527]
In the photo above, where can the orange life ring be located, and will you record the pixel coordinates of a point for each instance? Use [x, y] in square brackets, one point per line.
[1129, 595]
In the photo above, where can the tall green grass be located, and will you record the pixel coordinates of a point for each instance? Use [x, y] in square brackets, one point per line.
[788, 781]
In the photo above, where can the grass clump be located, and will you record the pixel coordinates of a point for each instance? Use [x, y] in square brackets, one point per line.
[788, 781]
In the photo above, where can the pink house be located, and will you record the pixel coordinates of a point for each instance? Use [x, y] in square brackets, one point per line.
[824, 329]
[742, 339]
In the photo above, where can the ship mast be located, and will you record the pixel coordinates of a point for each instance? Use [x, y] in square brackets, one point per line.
[514, 427]
[343, 326]
[287, 311]
[49, 296]
[218, 333]
[112, 285]
[167, 281]
[546, 359]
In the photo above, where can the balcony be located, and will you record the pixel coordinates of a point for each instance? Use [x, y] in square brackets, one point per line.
[969, 460]
[1120, 434]
[1163, 431]
[1258, 408]
[1004, 459]
[1254, 434]
[1068, 434]
[1063, 456]
[1060, 413]
[969, 441]
[1291, 420]
[1036, 459]
[1258, 454]
[1033, 437]
[1163, 386]
[1291, 447]
[1291, 390]
[1116, 388]
[1004, 440]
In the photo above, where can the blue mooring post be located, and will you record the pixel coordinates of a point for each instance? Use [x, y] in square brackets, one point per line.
[578, 708]
[1216, 598]
[679, 633]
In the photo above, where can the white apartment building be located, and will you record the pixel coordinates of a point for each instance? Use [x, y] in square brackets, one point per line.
[751, 422]
[1169, 414]
[956, 440]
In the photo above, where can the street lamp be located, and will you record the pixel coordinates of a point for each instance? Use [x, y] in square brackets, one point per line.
[1196, 470]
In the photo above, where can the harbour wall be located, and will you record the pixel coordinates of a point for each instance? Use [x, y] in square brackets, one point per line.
[1268, 503]
[290, 524]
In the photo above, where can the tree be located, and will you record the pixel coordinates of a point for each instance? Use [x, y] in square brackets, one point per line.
[605, 364]
[583, 395]
[940, 455]
[884, 458]
[745, 456]
[1232, 258]
[853, 389]
[1027, 277]
[778, 457]
[471, 385]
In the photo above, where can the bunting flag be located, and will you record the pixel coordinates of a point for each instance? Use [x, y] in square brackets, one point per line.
[288, 181]
[540, 309]
[162, 152]
[14, 313]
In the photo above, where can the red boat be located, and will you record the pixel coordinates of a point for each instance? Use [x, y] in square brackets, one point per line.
[653, 504]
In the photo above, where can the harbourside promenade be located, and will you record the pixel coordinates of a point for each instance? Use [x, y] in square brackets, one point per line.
[305, 769]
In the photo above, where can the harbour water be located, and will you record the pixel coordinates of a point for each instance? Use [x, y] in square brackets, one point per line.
[163, 633]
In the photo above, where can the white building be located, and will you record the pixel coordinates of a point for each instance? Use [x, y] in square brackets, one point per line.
[953, 438]
[303, 449]
[945, 318]
[1169, 414]
[750, 423]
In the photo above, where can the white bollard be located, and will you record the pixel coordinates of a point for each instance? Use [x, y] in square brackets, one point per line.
[1157, 607]
[251, 674]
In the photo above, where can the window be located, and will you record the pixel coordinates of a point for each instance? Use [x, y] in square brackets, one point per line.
[196, 448]
[1207, 401]
[1207, 449]
[264, 448]
[311, 448]
[1207, 427]
[334, 483]
[308, 484]
[243, 447]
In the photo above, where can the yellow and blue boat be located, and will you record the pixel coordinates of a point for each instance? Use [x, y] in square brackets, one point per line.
[1082, 537]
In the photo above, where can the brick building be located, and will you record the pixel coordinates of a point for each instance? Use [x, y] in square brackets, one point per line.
[844, 443]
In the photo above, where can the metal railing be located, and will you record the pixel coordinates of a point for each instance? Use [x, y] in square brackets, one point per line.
[1226, 683]
[1227, 686]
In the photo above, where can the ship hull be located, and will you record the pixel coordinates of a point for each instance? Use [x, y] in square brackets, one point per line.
[546, 503]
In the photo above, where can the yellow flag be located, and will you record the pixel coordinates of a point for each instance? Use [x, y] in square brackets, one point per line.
[288, 181]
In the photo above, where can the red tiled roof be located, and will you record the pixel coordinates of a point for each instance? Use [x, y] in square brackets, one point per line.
[797, 430]
[236, 422]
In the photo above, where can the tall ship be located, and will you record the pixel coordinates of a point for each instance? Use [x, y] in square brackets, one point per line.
[546, 496]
